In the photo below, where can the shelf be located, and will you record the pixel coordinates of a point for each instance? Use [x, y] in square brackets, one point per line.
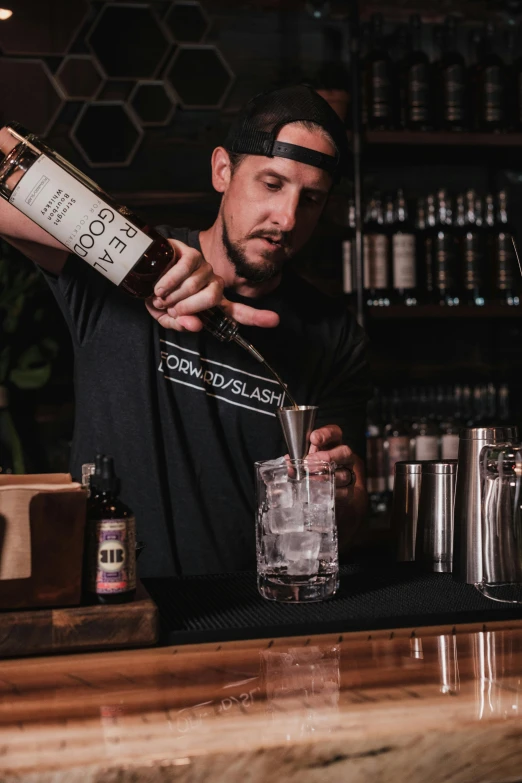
[397, 312]
[441, 138]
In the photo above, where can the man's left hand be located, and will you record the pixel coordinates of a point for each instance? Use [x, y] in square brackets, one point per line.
[326, 445]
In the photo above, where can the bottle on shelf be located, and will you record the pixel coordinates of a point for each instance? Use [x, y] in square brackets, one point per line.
[506, 275]
[489, 84]
[427, 254]
[445, 258]
[376, 479]
[376, 255]
[504, 410]
[379, 81]
[415, 81]
[472, 251]
[404, 262]
[348, 254]
[111, 538]
[448, 424]
[79, 214]
[451, 81]
[426, 430]
[397, 439]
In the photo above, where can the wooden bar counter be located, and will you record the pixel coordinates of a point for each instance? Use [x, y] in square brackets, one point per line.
[431, 704]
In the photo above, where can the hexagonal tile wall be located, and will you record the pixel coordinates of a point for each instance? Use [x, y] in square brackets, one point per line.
[200, 76]
[29, 94]
[79, 77]
[106, 134]
[129, 41]
[42, 27]
[153, 103]
[187, 21]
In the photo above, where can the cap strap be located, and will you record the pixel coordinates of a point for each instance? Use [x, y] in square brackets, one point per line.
[282, 149]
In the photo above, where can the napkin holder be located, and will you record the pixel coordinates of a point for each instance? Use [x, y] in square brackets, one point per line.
[42, 525]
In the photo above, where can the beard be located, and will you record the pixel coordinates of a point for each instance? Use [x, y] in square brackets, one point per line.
[253, 273]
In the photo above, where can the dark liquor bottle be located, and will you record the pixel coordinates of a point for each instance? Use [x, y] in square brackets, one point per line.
[111, 538]
[415, 78]
[76, 212]
[451, 82]
[427, 258]
[489, 82]
[379, 81]
[376, 255]
[445, 257]
[403, 254]
[375, 463]
[397, 439]
[473, 252]
[348, 250]
[449, 425]
[427, 432]
[504, 262]
[504, 411]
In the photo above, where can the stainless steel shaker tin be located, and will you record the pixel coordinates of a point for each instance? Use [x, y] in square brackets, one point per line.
[434, 541]
[405, 506]
[467, 536]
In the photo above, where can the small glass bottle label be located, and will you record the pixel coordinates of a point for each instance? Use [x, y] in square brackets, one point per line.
[404, 274]
[113, 556]
[347, 267]
[376, 261]
[426, 447]
[450, 446]
[74, 215]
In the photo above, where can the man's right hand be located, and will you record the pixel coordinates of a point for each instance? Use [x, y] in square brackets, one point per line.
[189, 286]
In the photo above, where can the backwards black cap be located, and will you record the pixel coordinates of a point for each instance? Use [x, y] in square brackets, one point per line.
[255, 129]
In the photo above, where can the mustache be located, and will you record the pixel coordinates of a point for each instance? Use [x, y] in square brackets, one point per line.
[281, 239]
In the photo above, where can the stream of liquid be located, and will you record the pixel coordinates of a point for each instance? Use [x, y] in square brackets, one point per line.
[255, 353]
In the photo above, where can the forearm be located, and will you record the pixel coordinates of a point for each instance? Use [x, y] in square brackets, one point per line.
[30, 239]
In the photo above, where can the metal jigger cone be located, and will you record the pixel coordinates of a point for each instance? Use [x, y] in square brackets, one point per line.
[297, 425]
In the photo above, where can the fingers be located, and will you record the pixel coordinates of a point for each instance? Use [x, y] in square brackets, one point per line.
[327, 436]
[187, 260]
[200, 278]
[249, 316]
[183, 323]
[341, 455]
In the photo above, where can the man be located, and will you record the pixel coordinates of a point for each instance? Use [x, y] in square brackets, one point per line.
[184, 415]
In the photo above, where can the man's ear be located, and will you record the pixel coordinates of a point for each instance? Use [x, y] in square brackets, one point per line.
[221, 169]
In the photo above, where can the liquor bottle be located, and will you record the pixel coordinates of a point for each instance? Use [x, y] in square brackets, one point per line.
[427, 255]
[504, 411]
[111, 538]
[75, 211]
[376, 255]
[445, 258]
[448, 425]
[404, 271]
[380, 81]
[427, 432]
[451, 82]
[375, 463]
[504, 263]
[415, 78]
[348, 249]
[489, 82]
[473, 252]
[397, 439]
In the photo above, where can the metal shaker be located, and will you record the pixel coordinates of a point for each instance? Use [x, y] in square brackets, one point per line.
[467, 531]
[406, 491]
[434, 543]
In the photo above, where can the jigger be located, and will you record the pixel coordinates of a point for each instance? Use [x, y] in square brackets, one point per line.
[297, 425]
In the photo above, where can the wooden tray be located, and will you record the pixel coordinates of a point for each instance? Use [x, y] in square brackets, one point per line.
[79, 628]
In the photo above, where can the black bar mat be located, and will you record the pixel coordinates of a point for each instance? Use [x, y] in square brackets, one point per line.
[227, 606]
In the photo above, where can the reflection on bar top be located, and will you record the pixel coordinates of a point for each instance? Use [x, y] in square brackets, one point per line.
[400, 700]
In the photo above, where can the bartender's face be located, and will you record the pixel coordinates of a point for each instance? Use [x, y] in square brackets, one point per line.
[271, 206]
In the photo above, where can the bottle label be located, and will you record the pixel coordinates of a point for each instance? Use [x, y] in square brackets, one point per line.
[398, 451]
[74, 215]
[444, 257]
[492, 94]
[450, 446]
[473, 272]
[426, 447]
[376, 261]
[381, 90]
[454, 92]
[112, 556]
[347, 267]
[418, 93]
[404, 274]
[505, 261]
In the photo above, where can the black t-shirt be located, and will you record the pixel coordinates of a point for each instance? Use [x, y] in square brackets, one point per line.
[186, 416]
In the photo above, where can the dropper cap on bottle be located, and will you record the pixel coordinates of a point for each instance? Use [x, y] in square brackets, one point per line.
[104, 477]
